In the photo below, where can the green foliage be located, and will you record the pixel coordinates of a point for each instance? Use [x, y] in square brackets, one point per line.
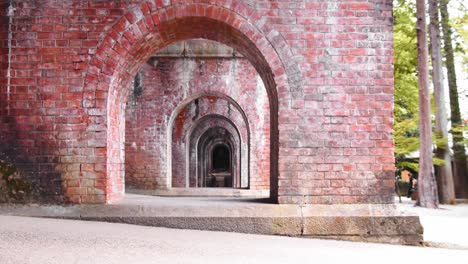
[440, 142]
[406, 127]
[460, 132]
[406, 132]
[438, 162]
[459, 22]
[409, 164]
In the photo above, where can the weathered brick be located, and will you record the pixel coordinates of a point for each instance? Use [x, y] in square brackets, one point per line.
[327, 68]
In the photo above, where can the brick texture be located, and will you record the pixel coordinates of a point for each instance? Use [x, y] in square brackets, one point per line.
[201, 90]
[327, 69]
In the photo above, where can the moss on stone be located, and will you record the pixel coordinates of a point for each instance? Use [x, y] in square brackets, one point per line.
[13, 187]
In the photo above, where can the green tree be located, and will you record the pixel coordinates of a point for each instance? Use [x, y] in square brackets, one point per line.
[427, 186]
[459, 25]
[406, 131]
[455, 116]
[444, 174]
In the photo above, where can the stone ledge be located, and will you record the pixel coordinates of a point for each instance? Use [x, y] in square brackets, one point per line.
[363, 222]
[203, 192]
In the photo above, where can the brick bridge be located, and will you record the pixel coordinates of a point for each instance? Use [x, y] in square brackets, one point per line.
[290, 97]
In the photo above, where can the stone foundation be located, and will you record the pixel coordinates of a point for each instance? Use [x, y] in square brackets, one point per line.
[357, 222]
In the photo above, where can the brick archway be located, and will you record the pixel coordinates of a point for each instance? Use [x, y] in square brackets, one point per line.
[242, 123]
[207, 142]
[148, 28]
[240, 149]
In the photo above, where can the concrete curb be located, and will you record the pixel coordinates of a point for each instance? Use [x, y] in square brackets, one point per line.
[359, 222]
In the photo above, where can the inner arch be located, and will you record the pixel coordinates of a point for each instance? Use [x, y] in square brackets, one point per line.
[133, 51]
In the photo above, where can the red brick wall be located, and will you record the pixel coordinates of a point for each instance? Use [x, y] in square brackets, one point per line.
[4, 21]
[4, 120]
[170, 83]
[327, 68]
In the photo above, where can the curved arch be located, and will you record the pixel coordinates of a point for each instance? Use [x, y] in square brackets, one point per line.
[200, 128]
[177, 111]
[218, 116]
[141, 25]
[199, 95]
[209, 148]
[148, 28]
[204, 146]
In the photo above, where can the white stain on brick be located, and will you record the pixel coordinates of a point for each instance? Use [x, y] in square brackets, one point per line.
[261, 101]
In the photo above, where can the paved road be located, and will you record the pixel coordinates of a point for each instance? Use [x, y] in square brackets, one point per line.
[36, 240]
[446, 225]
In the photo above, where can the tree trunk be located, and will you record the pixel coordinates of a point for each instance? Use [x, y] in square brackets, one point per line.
[444, 174]
[455, 116]
[427, 187]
